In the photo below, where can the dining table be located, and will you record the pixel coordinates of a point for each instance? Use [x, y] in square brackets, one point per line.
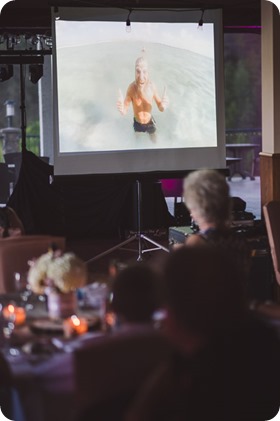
[40, 360]
[242, 152]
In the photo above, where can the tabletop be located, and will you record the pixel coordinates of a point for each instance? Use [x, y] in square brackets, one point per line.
[41, 363]
[241, 145]
[244, 151]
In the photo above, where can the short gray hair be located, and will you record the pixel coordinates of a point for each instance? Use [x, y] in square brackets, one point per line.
[207, 192]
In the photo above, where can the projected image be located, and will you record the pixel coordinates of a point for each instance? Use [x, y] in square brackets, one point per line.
[141, 94]
[152, 88]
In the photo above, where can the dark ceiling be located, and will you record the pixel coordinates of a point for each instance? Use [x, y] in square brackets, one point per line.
[35, 15]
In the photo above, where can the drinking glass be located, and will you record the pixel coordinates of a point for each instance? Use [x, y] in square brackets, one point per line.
[8, 327]
[8, 322]
[23, 288]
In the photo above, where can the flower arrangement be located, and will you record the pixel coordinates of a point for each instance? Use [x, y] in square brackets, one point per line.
[57, 271]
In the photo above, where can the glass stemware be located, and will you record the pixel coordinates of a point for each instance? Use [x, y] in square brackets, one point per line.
[9, 327]
[8, 324]
[23, 288]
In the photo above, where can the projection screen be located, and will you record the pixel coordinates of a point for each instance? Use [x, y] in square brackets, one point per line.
[150, 99]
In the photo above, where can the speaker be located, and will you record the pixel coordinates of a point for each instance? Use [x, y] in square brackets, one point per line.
[181, 214]
[238, 204]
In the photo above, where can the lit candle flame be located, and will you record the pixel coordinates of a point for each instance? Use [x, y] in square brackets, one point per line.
[76, 321]
[11, 308]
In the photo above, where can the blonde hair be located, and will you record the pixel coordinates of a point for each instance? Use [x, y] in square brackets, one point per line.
[141, 60]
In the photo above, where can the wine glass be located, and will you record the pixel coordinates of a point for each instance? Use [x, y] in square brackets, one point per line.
[24, 290]
[8, 323]
[9, 326]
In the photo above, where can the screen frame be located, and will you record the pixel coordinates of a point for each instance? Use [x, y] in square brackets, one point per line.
[142, 160]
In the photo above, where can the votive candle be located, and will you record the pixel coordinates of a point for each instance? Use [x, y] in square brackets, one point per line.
[15, 314]
[75, 326]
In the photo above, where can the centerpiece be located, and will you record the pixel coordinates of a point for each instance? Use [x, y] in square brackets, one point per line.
[58, 275]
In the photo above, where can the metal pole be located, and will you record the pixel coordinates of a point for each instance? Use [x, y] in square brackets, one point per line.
[139, 209]
[22, 109]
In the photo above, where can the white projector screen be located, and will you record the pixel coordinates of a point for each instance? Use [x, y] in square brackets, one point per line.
[146, 100]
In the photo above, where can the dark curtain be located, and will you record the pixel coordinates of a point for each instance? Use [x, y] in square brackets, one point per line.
[34, 199]
[86, 205]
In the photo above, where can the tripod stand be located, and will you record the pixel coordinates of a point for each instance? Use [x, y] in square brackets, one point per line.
[137, 236]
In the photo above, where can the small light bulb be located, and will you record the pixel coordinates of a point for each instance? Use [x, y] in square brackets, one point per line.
[200, 22]
[56, 14]
[200, 25]
[128, 26]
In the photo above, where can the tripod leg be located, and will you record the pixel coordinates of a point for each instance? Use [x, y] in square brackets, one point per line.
[138, 236]
[140, 251]
[118, 246]
[158, 246]
[139, 209]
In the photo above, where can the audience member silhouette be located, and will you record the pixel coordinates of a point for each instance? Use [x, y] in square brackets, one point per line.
[225, 364]
[133, 348]
[207, 197]
[135, 294]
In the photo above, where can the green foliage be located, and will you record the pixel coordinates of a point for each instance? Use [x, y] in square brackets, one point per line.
[242, 80]
[33, 137]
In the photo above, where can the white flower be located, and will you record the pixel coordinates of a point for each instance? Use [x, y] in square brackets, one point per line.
[37, 273]
[68, 272]
[63, 272]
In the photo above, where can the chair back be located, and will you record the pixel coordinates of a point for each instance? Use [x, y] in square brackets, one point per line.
[271, 212]
[114, 366]
[15, 252]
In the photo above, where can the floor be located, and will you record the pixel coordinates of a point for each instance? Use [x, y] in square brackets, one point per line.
[100, 253]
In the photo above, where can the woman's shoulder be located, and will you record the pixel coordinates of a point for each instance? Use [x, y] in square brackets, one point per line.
[225, 238]
[223, 234]
[196, 239]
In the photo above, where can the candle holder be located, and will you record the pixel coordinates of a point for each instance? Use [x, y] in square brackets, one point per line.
[14, 314]
[74, 326]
